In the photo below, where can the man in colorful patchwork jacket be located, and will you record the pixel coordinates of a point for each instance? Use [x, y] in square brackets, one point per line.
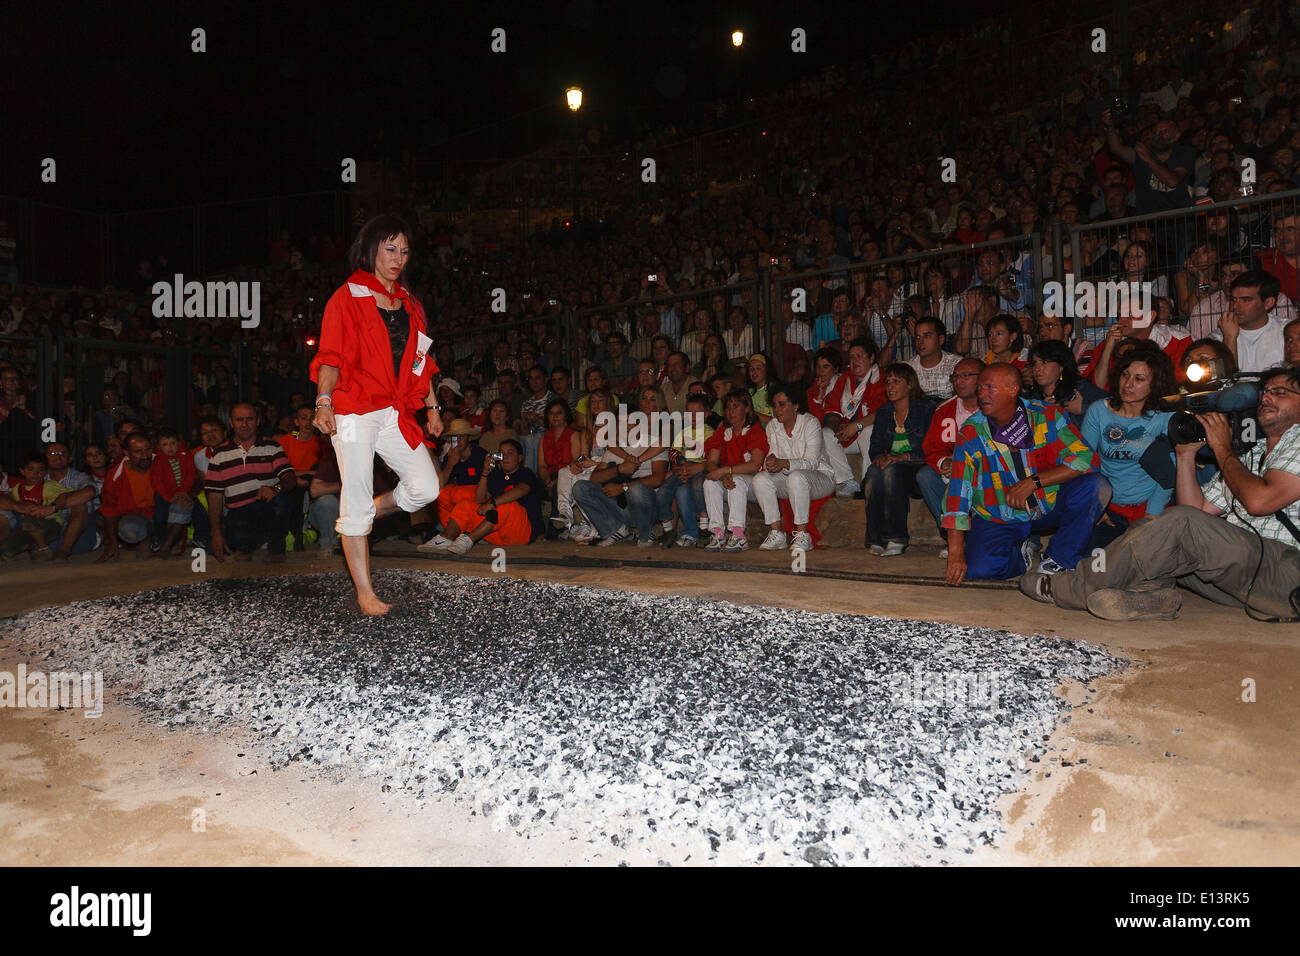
[1019, 468]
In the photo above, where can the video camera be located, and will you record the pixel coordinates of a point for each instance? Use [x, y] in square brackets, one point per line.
[1236, 397]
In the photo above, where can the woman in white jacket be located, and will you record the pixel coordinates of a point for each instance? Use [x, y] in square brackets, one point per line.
[796, 468]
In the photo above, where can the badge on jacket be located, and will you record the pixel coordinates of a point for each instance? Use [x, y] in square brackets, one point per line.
[422, 343]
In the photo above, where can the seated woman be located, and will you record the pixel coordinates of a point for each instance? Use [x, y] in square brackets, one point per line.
[896, 457]
[505, 509]
[459, 470]
[1056, 379]
[850, 412]
[1121, 429]
[734, 454]
[498, 429]
[590, 452]
[714, 359]
[1006, 342]
[561, 446]
[1158, 461]
[758, 372]
[796, 468]
[684, 485]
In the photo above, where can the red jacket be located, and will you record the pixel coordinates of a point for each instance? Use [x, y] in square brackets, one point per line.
[117, 498]
[873, 396]
[355, 340]
[936, 446]
[163, 478]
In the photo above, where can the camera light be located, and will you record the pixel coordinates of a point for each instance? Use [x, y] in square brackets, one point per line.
[1196, 372]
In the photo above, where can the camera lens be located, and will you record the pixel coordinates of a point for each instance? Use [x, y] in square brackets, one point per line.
[1184, 429]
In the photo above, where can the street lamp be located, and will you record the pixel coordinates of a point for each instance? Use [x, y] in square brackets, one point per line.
[737, 37]
[573, 97]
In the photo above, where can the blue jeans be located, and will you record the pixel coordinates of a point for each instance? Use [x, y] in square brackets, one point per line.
[259, 522]
[934, 487]
[602, 511]
[993, 548]
[889, 501]
[689, 496]
[532, 443]
[321, 514]
[132, 529]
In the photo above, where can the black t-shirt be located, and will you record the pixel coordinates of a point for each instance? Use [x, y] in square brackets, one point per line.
[399, 330]
[1153, 195]
[469, 470]
[498, 483]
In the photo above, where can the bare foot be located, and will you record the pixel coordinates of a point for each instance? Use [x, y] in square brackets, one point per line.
[371, 606]
[61, 556]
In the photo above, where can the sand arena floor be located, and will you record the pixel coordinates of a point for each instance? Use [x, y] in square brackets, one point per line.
[1164, 764]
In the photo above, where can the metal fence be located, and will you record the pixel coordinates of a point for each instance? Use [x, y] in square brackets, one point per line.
[1185, 255]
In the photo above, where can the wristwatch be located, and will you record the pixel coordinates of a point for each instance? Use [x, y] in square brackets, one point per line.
[1038, 481]
[626, 486]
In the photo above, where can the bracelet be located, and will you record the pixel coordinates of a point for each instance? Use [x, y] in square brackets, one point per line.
[436, 408]
[1038, 481]
[327, 401]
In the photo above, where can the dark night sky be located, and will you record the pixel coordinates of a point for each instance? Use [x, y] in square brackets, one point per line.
[137, 120]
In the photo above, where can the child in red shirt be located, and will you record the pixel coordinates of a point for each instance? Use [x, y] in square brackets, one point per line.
[175, 482]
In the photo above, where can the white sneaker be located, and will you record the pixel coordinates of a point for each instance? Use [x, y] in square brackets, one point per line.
[893, 549]
[1048, 566]
[717, 542]
[847, 490]
[622, 534]
[462, 544]
[877, 549]
[436, 543]
[943, 553]
[775, 541]
[559, 522]
[802, 541]
[583, 532]
[736, 542]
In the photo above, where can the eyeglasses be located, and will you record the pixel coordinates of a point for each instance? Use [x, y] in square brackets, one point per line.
[1277, 391]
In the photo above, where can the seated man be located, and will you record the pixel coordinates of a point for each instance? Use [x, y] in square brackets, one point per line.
[1020, 468]
[128, 499]
[250, 476]
[505, 510]
[79, 506]
[941, 439]
[459, 471]
[1251, 559]
[323, 510]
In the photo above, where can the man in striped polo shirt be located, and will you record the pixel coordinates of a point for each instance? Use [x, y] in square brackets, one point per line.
[250, 476]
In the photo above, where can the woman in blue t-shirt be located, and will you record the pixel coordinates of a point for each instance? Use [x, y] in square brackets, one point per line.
[1120, 429]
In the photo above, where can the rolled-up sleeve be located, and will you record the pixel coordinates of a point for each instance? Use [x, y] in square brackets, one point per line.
[334, 348]
[965, 472]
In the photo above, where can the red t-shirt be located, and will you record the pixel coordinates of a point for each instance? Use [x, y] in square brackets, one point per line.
[303, 455]
[737, 447]
[1275, 264]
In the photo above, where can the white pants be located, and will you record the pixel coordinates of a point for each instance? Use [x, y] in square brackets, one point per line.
[736, 500]
[357, 440]
[839, 456]
[800, 486]
[564, 483]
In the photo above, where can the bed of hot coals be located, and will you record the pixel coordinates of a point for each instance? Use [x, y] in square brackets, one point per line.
[677, 729]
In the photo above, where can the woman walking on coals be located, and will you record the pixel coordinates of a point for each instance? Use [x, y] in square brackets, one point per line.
[373, 372]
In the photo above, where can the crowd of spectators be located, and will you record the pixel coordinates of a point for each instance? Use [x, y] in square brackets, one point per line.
[654, 304]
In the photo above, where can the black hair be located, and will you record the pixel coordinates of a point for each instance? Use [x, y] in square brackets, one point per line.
[1162, 377]
[366, 245]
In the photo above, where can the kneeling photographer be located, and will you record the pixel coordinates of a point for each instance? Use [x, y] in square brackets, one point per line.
[1235, 541]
